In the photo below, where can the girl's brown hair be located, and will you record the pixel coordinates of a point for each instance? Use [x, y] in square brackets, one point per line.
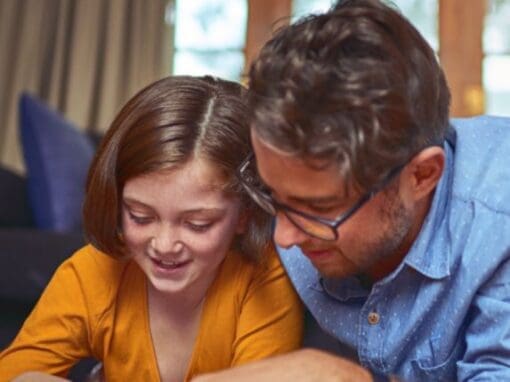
[163, 126]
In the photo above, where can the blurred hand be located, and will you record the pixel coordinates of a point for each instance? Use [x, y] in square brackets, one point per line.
[36, 376]
[306, 365]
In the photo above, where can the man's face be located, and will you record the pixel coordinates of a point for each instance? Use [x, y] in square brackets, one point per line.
[373, 234]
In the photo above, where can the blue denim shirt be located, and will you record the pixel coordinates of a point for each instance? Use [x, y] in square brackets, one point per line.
[444, 313]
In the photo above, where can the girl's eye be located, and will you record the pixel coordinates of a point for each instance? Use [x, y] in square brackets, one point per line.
[199, 227]
[140, 220]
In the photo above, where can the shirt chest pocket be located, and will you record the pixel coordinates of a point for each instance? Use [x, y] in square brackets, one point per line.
[435, 362]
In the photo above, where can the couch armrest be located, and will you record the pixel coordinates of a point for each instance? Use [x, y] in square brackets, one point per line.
[28, 259]
[14, 206]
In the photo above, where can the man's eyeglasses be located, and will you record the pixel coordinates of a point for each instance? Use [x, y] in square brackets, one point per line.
[316, 226]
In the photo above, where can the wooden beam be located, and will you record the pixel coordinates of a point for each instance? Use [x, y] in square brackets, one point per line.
[461, 54]
[264, 17]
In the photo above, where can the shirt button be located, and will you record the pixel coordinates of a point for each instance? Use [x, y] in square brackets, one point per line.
[373, 318]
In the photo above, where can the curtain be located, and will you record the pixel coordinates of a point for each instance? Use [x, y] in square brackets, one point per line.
[85, 58]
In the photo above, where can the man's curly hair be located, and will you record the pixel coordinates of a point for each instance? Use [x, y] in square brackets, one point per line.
[357, 85]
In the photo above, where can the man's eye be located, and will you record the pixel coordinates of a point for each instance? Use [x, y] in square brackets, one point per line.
[140, 220]
[323, 209]
[198, 226]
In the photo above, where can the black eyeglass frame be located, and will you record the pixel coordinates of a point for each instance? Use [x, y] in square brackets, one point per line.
[333, 224]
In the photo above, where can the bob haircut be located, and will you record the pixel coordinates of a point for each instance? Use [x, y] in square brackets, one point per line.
[357, 86]
[164, 125]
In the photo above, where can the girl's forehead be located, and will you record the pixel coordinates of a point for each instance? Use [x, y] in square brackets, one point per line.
[196, 178]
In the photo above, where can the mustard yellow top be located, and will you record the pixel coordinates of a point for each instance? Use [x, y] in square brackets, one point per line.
[96, 306]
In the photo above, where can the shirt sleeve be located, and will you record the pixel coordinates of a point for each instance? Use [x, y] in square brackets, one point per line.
[271, 319]
[55, 335]
[487, 355]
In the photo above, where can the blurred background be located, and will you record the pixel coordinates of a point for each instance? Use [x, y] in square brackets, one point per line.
[85, 58]
[67, 66]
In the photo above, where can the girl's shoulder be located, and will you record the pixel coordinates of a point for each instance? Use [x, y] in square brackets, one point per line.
[92, 265]
[240, 270]
[266, 260]
[97, 275]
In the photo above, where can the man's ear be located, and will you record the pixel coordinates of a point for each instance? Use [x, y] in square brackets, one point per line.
[421, 175]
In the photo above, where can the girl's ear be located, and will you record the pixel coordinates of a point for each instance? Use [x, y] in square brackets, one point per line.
[242, 222]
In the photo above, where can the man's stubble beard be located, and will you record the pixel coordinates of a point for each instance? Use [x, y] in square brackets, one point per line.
[397, 222]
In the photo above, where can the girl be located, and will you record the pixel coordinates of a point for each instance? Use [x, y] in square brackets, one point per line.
[179, 278]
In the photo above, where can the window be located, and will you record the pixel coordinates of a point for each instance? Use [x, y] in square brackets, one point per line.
[496, 62]
[210, 37]
[301, 8]
[423, 14]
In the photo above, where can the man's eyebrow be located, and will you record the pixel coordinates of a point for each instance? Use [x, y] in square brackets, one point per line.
[316, 199]
[329, 199]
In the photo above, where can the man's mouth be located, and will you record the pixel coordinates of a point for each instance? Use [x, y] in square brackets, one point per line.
[317, 254]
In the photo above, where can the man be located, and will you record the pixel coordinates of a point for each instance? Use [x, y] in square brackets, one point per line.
[393, 225]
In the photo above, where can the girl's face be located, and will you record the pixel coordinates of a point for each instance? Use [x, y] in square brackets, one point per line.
[178, 225]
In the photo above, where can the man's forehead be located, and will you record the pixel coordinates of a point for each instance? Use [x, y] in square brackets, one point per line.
[296, 177]
[314, 163]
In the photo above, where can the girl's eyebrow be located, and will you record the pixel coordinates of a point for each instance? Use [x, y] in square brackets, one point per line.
[202, 210]
[130, 202]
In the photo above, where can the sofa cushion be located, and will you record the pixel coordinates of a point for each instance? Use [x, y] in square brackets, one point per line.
[14, 208]
[57, 156]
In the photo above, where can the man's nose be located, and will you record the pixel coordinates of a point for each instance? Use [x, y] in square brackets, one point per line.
[286, 234]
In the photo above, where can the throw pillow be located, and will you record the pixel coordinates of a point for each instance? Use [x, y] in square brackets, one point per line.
[57, 156]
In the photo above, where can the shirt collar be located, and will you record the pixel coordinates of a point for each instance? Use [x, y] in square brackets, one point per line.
[341, 289]
[431, 251]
